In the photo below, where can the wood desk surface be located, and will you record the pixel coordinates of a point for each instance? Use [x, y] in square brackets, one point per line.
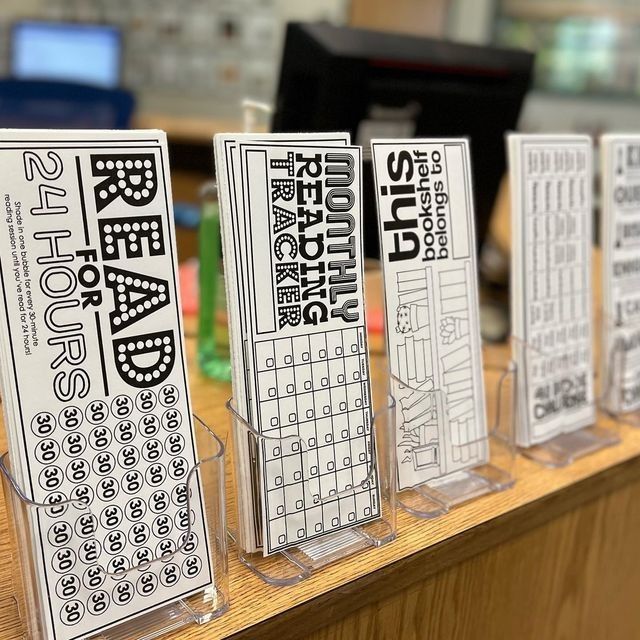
[194, 129]
[422, 549]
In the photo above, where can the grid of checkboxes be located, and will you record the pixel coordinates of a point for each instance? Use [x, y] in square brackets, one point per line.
[313, 394]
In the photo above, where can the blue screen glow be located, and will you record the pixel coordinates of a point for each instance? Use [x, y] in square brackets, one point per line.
[88, 54]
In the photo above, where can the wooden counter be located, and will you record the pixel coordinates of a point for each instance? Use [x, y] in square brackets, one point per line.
[554, 557]
[198, 130]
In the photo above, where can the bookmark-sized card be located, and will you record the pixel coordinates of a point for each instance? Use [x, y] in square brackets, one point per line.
[307, 352]
[229, 176]
[620, 234]
[425, 213]
[551, 185]
[94, 383]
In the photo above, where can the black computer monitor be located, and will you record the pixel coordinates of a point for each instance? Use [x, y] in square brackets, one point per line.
[71, 52]
[377, 84]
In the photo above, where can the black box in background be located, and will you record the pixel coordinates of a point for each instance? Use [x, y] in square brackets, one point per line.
[377, 84]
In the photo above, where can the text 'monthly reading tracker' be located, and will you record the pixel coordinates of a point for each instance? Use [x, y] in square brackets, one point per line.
[228, 172]
[620, 236]
[551, 188]
[305, 349]
[94, 383]
[425, 211]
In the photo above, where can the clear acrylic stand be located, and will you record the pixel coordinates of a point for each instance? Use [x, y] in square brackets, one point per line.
[438, 496]
[199, 608]
[296, 563]
[619, 396]
[570, 444]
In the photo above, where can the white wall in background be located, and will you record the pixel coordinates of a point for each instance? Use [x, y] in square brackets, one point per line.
[471, 20]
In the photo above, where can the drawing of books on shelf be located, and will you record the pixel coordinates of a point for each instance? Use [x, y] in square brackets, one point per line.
[420, 410]
[419, 439]
[456, 360]
[415, 354]
[454, 305]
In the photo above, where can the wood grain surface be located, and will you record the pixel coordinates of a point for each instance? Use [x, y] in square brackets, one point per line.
[576, 577]
[537, 557]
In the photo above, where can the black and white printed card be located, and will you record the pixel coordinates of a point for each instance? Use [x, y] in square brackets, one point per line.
[620, 237]
[305, 351]
[229, 178]
[427, 239]
[94, 381]
[551, 207]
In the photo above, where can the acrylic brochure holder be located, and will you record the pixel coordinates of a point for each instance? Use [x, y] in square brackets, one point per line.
[569, 444]
[199, 608]
[619, 396]
[436, 497]
[296, 563]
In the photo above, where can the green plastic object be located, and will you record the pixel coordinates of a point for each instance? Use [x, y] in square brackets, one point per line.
[213, 330]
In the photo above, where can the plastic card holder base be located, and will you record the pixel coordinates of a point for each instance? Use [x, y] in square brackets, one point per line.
[294, 564]
[436, 497]
[566, 448]
[570, 444]
[619, 396]
[199, 608]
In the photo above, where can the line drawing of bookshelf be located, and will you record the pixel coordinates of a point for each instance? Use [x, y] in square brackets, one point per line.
[435, 360]
[457, 369]
[419, 444]
[412, 317]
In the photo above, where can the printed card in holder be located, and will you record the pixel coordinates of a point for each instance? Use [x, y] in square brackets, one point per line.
[425, 211]
[94, 382]
[620, 234]
[305, 346]
[229, 176]
[551, 185]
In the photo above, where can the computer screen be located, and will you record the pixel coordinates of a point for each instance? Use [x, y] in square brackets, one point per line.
[379, 85]
[88, 54]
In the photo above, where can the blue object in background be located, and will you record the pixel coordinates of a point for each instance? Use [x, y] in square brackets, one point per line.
[186, 215]
[39, 104]
[87, 54]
